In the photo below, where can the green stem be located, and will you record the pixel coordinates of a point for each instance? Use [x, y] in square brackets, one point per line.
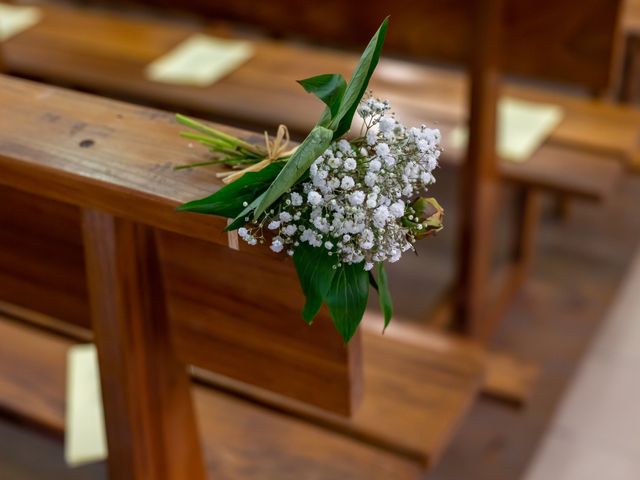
[199, 127]
[198, 164]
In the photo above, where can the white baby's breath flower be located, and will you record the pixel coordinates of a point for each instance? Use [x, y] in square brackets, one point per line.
[296, 199]
[347, 182]
[354, 202]
[350, 164]
[397, 209]
[382, 150]
[314, 198]
[285, 217]
[277, 245]
[357, 198]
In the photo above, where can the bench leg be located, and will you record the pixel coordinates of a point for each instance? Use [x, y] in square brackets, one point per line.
[149, 417]
[528, 211]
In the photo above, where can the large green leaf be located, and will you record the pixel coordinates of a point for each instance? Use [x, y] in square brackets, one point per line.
[228, 201]
[347, 298]
[297, 165]
[315, 271]
[384, 294]
[341, 121]
[329, 88]
[241, 219]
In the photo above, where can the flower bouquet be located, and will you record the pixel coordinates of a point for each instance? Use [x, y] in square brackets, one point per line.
[339, 207]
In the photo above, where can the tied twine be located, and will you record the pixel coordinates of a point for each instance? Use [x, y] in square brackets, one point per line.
[275, 149]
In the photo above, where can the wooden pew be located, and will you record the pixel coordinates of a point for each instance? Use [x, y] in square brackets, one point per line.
[576, 161]
[542, 38]
[113, 62]
[85, 173]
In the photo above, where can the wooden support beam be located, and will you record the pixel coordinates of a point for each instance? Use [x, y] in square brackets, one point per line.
[150, 423]
[479, 173]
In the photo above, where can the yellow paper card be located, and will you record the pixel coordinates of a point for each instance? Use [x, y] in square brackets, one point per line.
[199, 61]
[522, 127]
[85, 439]
[15, 19]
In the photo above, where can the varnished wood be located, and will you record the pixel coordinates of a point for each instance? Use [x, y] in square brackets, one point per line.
[629, 90]
[240, 439]
[205, 314]
[150, 424]
[42, 268]
[417, 390]
[479, 186]
[114, 61]
[510, 379]
[577, 50]
[213, 290]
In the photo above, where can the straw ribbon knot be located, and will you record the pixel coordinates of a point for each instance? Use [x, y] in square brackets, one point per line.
[273, 149]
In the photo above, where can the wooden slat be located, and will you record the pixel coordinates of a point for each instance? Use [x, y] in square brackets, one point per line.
[238, 314]
[30, 275]
[127, 172]
[54, 49]
[241, 440]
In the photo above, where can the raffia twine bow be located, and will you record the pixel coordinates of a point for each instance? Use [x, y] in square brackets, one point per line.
[274, 150]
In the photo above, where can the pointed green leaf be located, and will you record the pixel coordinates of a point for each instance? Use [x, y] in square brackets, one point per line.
[384, 294]
[341, 121]
[241, 219]
[297, 165]
[315, 271]
[347, 298]
[228, 201]
[372, 281]
[329, 88]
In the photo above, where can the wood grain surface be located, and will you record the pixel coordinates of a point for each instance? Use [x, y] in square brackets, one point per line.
[240, 440]
[148, 411]
[125, 169]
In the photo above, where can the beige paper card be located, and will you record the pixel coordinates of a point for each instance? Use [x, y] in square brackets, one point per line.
[85, 439]
[15, 19]
[522, 127]
[199, 61]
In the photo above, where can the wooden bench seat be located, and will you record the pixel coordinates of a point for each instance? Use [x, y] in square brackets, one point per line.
[62, 151]
[419, 390]
[108, 53]
[241, 440]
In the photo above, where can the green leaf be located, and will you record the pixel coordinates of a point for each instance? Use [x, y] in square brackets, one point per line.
[347, 298]
[372, 281]
[315, 271]
[240, 220]
[297, 165]
[341, 121]
[384, 294]
[228, 201]
[329, 88]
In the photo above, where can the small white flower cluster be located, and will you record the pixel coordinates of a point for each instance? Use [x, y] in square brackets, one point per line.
[355, 199]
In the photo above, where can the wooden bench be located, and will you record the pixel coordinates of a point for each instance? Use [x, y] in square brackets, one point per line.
[114, 59]
[85, 173]
[578, 160]
[240, 440]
